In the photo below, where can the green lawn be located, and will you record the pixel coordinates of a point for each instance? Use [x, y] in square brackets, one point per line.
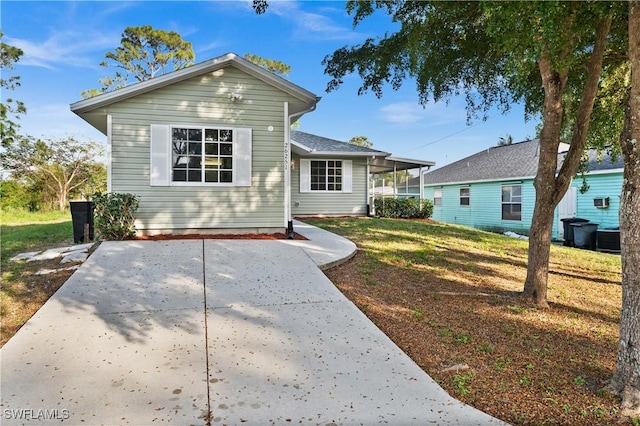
[23, 292]
[23, 231]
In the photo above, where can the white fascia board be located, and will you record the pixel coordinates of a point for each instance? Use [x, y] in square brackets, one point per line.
[411, 160]
[468, 182]
[603, 172]
[301, 146]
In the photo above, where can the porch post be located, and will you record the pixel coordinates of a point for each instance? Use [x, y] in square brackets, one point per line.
[395, 182]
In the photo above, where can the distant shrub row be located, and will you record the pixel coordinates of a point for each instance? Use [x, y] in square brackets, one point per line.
[403, 208]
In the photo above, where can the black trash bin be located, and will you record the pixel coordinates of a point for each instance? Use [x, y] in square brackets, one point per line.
[568, 229]
[81, 215]
[584, 235]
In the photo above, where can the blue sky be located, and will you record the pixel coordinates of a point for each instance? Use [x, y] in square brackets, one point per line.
[64, 43]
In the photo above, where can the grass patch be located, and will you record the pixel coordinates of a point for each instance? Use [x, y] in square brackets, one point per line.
[462, 285]
[22, 292]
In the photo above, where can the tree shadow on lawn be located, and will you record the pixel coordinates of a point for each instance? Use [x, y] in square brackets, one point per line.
[464, 273]
[565, 354]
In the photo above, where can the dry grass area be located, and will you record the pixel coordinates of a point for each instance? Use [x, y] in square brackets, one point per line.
[24, 292]
[448, 296]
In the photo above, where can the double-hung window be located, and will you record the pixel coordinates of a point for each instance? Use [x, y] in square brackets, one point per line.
[202, 155]
[437, 197]
[511, 202]
[465, 196]
[326, 175]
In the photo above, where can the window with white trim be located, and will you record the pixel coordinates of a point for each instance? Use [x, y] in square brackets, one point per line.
[437, 197]
[512, 202]
[465, 196]
[202, 155]
[325, 175]
[195, 155]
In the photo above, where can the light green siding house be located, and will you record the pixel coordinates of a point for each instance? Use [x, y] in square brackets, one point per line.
[493, 190]
[204, 147]
[208, 149]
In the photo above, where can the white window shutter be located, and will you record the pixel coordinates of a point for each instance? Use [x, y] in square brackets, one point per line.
[160, 171]
[305, 175]
[347, 178]
[242, 157]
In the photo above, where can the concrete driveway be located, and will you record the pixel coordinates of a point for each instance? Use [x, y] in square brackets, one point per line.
[214, 332]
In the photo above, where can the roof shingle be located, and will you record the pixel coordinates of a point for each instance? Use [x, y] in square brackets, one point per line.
[322, 144]
[499, 163]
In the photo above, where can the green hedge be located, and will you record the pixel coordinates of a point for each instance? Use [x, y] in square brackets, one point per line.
[114, 215]
[403, 208]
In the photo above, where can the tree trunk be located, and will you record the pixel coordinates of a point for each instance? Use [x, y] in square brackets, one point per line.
[62, 200]
[626, 379]
[551, 187]
[535, 286]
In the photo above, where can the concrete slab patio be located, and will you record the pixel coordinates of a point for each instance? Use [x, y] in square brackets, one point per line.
[214, 332]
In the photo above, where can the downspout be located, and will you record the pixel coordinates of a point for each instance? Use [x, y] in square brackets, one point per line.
[368, 184]
[109, 136]
[289, 118]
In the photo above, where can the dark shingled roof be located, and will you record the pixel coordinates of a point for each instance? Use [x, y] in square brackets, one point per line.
[321, 144]
[308, 145]
[603, 161]
[517, 160]
[500, 163]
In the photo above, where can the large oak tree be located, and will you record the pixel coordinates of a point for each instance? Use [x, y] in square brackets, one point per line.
[548, 55]
[551, 56]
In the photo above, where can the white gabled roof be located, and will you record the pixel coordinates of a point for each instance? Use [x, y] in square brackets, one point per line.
[230, 59]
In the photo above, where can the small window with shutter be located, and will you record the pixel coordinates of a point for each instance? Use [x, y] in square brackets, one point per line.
[325, 175]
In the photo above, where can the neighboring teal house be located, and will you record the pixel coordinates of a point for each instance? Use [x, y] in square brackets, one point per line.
[493, 190]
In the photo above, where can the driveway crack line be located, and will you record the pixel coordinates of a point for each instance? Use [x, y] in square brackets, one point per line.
[209, 414]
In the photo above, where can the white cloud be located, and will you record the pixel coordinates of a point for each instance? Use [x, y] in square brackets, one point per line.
[403, 112]
[311, 26]
[56, 121]
[412, 112]
[65, 47]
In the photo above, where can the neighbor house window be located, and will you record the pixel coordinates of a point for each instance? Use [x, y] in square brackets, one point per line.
[512, 202]
[437, 197]
[464, 196]
[202, 154]
[326, 175]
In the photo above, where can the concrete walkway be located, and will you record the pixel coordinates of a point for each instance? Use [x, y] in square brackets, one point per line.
[214, 332]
